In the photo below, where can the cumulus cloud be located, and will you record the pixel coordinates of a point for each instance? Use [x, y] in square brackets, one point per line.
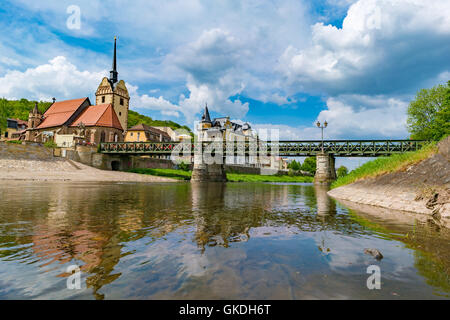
[212, 64]
[58, 78]
[351, 117]
[384, 46]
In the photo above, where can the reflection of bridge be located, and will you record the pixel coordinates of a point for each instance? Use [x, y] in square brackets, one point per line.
[337, 148]
[325, 152]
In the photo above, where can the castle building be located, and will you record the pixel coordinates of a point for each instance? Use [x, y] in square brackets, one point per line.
[78, 119]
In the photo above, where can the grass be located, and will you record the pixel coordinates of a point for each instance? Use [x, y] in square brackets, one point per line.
[236, 177]
[233, 177]
[170, 173]
[383, 165]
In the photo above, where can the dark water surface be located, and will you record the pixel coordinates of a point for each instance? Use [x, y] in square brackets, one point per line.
[215, 241]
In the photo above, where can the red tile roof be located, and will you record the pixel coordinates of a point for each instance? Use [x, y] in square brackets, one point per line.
[102, 115]
[60, 112]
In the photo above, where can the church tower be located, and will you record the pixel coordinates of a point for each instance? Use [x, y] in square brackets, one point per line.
[34, 117]
[114, 92]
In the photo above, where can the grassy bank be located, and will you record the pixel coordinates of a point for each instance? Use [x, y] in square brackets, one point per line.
[234, 177]
[383, 165]
[170, 173]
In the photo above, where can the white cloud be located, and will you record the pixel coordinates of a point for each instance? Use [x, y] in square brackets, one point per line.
[352, 117]
[383, 46]
[58, 78]
[358, 116]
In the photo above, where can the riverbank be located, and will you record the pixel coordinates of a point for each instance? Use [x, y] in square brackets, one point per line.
[36, 163]
[232, 177]
[418, 184]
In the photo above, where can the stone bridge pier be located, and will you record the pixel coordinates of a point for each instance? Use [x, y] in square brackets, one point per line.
[325, 171]
[203, 172]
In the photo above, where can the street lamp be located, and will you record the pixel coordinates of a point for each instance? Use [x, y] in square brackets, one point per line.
[322, 127]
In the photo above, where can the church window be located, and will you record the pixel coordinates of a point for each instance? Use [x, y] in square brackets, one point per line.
[121, 101]
[120, 113]
[103, 99]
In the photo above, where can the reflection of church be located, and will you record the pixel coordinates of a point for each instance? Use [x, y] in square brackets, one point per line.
[77, 119]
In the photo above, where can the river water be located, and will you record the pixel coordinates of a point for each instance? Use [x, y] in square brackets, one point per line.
[210, 241]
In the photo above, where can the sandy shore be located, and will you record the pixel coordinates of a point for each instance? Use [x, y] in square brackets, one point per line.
[66, 170]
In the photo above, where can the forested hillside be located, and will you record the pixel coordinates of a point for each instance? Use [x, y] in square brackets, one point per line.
[19, 109]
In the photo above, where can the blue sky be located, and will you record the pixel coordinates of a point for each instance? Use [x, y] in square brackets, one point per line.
[276, 64]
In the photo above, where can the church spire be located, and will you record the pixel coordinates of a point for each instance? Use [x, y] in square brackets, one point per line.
[113, 78]
[206, 117]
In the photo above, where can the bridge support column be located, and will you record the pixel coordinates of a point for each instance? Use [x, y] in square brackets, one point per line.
[207, 172]
[325, 171]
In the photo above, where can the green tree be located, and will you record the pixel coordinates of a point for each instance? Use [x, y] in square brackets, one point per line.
[3, 114]
[342, 171]
[429, 113]
[309, 165]
[294, 165]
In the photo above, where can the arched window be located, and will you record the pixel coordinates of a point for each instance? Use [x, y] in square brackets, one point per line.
[102, 137]
[116, 137]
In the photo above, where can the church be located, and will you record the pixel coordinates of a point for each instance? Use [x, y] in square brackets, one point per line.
[77, 120]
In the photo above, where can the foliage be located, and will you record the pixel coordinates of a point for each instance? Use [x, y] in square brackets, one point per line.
[342, 171]
[382, 165]
[170, 173]
[50, 144]
[135, 118]
[183, 166]
[18, 109]
[309, 165]
[294, 165]
[260, 178]
[14, 141]
[429, 113]
[186, 175]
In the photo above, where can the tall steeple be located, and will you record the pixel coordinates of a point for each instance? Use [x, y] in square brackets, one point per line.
[113, 77]
[206, 117]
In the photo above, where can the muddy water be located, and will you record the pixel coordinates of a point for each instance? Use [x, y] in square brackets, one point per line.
[215, 241]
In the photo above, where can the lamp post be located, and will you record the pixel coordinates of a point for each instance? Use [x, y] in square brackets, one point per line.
[322, 127]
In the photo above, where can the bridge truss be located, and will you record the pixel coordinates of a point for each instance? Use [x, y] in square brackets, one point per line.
[338, 148]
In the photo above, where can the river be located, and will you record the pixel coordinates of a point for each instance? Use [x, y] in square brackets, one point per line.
[210, 241]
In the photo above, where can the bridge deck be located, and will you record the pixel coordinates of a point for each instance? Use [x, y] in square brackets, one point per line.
[339, 148]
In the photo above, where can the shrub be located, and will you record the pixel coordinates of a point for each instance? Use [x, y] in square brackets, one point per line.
[183, 166]
[50, 144]
[342, 171]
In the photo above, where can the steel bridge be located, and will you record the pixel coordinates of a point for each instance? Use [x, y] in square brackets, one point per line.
[337, 148]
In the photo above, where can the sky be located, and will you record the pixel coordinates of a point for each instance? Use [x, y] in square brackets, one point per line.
[277, 64]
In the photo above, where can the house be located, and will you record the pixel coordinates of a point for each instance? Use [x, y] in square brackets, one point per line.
[145, 133]
[224, 128]
[177, 135]
[14, 128]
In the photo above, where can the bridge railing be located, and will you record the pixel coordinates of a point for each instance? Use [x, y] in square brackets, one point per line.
[339, 148]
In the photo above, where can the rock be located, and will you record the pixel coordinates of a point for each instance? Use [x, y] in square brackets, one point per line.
[374, 252]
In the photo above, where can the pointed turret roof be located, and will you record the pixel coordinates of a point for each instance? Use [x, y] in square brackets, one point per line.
[113, 75]
[36, 109]
[205, 116]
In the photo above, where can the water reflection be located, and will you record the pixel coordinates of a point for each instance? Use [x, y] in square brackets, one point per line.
[231, 240]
